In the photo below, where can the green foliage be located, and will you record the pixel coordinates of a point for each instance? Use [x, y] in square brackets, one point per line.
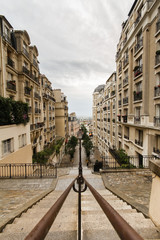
[87, 143]
[13, 112]
[43, 156]
[71, 146]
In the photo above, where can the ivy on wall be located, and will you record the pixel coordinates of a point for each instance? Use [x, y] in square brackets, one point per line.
[13, 112]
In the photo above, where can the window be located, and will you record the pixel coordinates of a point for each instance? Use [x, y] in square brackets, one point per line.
[158, 79]
[24, 46]
[22, 140]
[7, 146]
[25, 64]
[157, 110]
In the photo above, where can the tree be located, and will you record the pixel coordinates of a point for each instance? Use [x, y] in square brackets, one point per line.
[71, 146]
[87, 143]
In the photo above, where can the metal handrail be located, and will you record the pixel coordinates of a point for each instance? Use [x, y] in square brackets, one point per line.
[41, 229]
[123, 229]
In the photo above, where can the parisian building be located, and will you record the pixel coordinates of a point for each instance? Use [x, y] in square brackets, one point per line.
[136, 118]
[104, 116]
[21, 80]
[138, 80]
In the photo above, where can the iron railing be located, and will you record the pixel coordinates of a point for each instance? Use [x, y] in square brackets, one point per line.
[123, 229]
[27, 170]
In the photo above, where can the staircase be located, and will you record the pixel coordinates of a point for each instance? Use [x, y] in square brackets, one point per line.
[95, 224]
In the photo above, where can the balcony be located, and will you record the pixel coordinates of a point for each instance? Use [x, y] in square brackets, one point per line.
[119, 103]
[138, 46]
[125, 81]
[35, 78]
[11, 85]
[10, 62]
[137, 19]
[157, 91]
[125, 100]
[158, 26]
[137, 96]
[27, 90]
[113, 93]
[36, 95]
[37, 110]
[138, 70]
[119, 134]
[126, 137]
[157, 58]
[156, 150]
[125, 117]
[26, 71]
[125, 61]
[119, 86]
[157, 121]
[138, 142]
[26, 52]
[120, 69]
[137, 120]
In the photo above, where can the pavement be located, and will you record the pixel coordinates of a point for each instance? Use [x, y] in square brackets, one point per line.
[17, 195]
[132, 186]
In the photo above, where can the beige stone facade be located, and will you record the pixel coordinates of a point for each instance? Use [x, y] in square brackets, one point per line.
[21, 80]
[138, 78]
[104, 116]
[61, 114]
[136, 117]
[73, 124]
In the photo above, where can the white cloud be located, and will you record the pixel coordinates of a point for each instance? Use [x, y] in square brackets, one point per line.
[76, 40]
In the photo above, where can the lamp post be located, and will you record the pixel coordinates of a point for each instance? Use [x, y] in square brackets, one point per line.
[80, 182]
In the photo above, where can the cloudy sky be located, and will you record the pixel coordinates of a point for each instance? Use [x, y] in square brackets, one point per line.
[76, 40]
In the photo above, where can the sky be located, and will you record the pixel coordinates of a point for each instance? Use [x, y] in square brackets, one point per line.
[76, 41]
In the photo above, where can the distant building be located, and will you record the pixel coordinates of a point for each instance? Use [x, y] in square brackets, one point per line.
[73, 124]
[61, 114]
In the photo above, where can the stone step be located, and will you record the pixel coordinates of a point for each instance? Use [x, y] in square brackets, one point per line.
[62, 235]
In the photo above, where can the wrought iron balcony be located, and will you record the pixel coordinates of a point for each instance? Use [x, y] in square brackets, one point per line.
[125, 61]
[157, 121]
[27, 90]
[138, 45]
[119, 103]
[137, 19]
[158, 26]
[10, 62]
[138, 70]
[26, 52]
[36, 95]
[125, 117]
[138, 142]
[11, 85]
[37, 110]
[125, 100]
[119, 86]
[137, 120]
[26, 71]
[126, 137]
[157, 59]
[137, 96]
[156, 150]
[125, 81]
[157, 91]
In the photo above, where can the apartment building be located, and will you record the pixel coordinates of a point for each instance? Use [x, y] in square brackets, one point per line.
[61, 113]
[138, 80]
[73, 124]
[20, 80]
[104, 116]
